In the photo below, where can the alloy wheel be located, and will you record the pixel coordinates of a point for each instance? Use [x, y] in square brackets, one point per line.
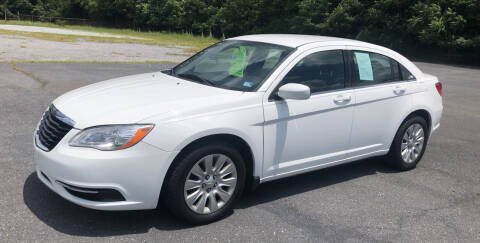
[210, 183]
[412, 143]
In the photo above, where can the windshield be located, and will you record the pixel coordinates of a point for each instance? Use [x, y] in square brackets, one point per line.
[233, 64]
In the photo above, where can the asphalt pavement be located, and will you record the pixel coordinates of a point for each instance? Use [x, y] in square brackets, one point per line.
[363, 201]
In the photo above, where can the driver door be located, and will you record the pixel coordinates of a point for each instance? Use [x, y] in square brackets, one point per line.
[307, 134]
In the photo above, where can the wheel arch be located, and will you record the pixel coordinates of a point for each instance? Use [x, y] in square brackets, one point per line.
[416, 112]
[422, 113]
[240, 143]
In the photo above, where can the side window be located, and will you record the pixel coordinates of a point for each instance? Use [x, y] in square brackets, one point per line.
[373, 68]
[321, 71]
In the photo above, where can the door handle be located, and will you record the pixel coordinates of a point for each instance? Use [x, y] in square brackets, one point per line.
[399, 90]
[342, 99]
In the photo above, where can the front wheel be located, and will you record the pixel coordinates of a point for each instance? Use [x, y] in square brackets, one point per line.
[409, 144]
[205, 183]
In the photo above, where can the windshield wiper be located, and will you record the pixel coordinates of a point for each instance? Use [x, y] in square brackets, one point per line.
[194, 78]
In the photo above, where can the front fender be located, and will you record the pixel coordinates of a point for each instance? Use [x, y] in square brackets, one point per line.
[246, 124]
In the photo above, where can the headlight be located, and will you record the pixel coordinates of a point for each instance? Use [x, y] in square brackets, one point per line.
[112, 137]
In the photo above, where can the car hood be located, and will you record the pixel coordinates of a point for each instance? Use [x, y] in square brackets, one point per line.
[134, 98]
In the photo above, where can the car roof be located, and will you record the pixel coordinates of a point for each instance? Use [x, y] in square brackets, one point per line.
[295, 41]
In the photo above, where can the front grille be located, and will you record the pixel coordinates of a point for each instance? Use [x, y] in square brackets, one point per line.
[52, 129]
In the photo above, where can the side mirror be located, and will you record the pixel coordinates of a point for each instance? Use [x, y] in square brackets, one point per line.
[294, 91]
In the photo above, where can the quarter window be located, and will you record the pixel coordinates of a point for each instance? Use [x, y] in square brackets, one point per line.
[406, 75]
[321, 71]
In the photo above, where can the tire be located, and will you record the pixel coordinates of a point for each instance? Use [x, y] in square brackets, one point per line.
[395, 157]
[176, 192]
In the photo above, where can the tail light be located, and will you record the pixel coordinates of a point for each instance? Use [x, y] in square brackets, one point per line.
[439, 87]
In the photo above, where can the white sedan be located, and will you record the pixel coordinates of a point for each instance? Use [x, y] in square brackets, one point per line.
[244, 111]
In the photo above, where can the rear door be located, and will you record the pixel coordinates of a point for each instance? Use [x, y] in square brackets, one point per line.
[383, 97]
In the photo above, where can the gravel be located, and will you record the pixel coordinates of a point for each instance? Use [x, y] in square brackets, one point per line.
[21, 48]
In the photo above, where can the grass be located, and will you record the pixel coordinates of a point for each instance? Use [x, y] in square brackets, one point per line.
[190, 42]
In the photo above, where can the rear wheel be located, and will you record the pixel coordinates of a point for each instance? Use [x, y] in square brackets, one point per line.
[205, 183]
[409, 144]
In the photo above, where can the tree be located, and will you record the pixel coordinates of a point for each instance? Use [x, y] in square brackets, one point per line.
[410, 26]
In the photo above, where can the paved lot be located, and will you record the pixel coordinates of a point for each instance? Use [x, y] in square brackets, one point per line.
[363, 201]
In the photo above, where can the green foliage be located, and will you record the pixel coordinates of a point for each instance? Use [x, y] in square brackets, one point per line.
[447, 27]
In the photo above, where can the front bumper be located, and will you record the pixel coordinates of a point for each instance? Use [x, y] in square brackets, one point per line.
[136, 173]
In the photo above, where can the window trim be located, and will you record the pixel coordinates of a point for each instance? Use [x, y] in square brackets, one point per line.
[347, 76]
[355, 75]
